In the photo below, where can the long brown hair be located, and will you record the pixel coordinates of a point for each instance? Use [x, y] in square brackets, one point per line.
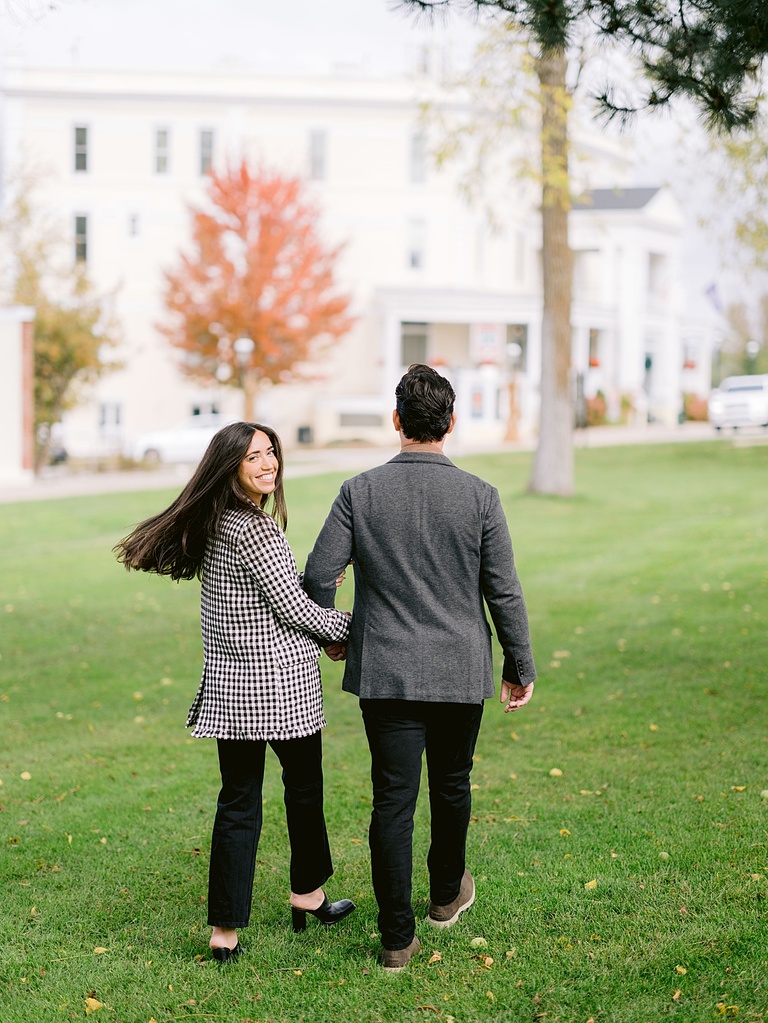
[173, 542]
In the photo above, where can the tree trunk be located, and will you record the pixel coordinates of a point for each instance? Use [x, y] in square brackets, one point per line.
[250, 387]
[553, 462]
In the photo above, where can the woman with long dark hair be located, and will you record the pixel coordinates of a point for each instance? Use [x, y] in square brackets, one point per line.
[260, 684]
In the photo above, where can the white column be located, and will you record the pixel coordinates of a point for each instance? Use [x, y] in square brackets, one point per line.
[16, 394]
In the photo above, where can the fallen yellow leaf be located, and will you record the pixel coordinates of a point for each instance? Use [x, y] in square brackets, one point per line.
[434, 958]
[564, 832]
[555, 773]
[653, 728]
[25, 776]
[676, 995]
[590, 885]
[681, 970]
[738, 788]
[99, 951]
[488, 962]
[490, 996]
[92, 1005]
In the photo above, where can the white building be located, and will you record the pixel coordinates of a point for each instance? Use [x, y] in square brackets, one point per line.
[123, 153]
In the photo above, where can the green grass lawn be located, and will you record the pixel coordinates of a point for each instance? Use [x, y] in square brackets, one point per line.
[630, 887]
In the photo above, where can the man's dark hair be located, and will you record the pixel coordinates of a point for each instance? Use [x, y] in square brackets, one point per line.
[424, 403]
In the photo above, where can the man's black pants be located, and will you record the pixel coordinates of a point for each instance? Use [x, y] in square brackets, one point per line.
[399, 731]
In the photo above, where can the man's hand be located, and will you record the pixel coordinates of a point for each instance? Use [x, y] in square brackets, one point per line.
[336, 651]
[514, 695]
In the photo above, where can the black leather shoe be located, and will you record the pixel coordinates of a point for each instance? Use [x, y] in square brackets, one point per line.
[329, 913]
[225, 955]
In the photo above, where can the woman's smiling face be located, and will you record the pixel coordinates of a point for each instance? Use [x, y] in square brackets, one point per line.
[258, 470]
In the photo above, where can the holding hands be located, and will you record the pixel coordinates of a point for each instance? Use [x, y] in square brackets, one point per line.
[338, 651]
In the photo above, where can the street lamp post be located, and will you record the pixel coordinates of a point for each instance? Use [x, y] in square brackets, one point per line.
[753, 350]
[514, 351]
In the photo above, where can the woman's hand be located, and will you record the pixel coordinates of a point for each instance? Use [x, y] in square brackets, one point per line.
[340, 579]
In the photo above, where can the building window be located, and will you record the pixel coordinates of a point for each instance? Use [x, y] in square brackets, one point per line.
[418, 160]
[518, 257]
[594, 346]
[206, 408]
[206, 151]
[587, 275]
[317, 155]
[110, 417]
[417, 244]
[81, 238]
[414, 342]
[162, 150]
[658, 278]
[81, 148]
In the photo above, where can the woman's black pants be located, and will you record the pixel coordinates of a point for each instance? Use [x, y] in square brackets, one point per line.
[237, 827]
[399, 731]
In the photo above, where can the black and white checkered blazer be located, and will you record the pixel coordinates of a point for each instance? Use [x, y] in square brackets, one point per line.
[261, 678]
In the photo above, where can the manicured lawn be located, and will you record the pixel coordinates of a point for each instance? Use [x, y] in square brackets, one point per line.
[629, 888]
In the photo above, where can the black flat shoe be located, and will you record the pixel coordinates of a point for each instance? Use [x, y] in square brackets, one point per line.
[225, 955]
[329, 913]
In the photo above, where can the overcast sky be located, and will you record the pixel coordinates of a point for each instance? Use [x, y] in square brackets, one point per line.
[310, 36]
[261, 35]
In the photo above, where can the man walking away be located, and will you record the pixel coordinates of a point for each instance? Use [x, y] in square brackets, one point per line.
[430, 545]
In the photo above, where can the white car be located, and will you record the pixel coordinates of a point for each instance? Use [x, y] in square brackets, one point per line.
[185, 442]
[740, 401]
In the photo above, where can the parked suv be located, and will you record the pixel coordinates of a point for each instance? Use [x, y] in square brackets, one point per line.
[740, 401]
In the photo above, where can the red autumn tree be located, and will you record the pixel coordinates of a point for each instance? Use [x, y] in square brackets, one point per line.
[256, 295]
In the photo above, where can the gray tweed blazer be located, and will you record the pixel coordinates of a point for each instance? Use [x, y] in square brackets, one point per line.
[430, 545]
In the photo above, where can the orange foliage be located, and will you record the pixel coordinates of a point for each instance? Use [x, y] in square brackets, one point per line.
[258, 269]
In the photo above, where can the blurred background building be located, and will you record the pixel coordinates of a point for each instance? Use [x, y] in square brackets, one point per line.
[119, 155]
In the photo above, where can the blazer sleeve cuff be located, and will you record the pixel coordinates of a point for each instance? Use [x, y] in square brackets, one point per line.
[519, 669]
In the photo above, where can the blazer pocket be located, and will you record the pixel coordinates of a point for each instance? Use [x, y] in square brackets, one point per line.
[295, 648]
